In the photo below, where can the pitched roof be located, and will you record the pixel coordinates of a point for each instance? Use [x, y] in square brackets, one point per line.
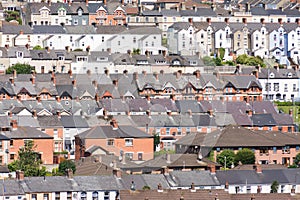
[26, 132]
[109, 132]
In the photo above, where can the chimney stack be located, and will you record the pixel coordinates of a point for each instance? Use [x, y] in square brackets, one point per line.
[212, 169]
[38, 99]
[208, 20]
[115, 83]
[12, 80]
[58, 114]
[20, 175]
[114, 124]
[34, 114]
[57, 99]
[197, 74]
[15, 73]
[14, 124]
[159, 188]
[69, 173]
[74, 83]
[97, 98]
[258, 168]
[106, 72]
[70, 73]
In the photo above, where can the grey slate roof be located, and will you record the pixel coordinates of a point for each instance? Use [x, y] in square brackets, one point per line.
[185, 179]
[80, 29]
[53, 29]
[94, 183]
[51, 121]
[263, 120]
[74, 122]
[12, 187]
[252, 177]
[151, 180]
[188, 105]
[108, 132]
[49, 183]
[15, 29]
[26, 132]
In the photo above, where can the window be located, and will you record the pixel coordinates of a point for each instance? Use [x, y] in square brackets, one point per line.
[276, 87]
[286, 150]
[119, 43]
[168, 131]
[33, 196]
[12, 156]
[80, 12]
[274, 150]
[134, 39]
[71, 39]
[110, 142]
[55, 132]
[69, 195]
[129, 155]
[106, 195]
[46, 196]
[188, 130]
[95, 196]
[75, 21]
[1, 158]
[128, 142]
[294, 88]
[83, 196]
[285, 87]
[11, 143]
[268, 86]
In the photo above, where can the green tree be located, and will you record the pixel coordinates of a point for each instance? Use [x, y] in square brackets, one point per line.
[222, 53]
[156, 140]
[207, 60]
[20, 68]
[245, 156]
[297, 160]
[28, 162]
[66, 164]
[226, 158]
[37, 47]
[274, 187]
[242, 59]
[136, 51]
[218, 61]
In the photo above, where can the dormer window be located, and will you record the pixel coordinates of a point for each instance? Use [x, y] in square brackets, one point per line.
[19, 54]
[193, 62]
[176, 62]
[99, 59]
[290, 75]
[61, 12]
[82, 59]
[79, 12]
[271, 75]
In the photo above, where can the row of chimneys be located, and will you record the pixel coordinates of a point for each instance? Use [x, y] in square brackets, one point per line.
[33, 76]
[244, 20]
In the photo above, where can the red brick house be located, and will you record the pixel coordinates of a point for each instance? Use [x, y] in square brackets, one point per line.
[118, 140]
